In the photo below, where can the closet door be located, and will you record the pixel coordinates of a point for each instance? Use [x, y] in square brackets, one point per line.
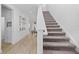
[2, 28]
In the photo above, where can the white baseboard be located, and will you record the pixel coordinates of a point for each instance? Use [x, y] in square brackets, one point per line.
[73, 42]
[77, 49]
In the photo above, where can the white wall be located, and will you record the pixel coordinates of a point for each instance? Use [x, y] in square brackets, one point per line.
[0, 28]
[30, 10]
[16, 33]
[7, 31]
[44, 7]
[68, 16]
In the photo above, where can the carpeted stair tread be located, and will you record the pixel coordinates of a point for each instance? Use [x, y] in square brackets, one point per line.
[58, 44]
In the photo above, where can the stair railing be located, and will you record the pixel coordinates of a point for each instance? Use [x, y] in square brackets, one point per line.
[41, 30]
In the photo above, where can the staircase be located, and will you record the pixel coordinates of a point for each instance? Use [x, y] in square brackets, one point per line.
[56, 41]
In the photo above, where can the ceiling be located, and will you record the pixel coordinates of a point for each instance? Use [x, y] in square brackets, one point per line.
[27, 8]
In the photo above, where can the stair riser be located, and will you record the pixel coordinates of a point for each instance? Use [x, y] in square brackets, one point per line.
[59, 48]
[46, 12]
[47, 16]
[55, 40]
[49, 20]
[51, 23]
[52, 26]
[56, 34]
[54, 29]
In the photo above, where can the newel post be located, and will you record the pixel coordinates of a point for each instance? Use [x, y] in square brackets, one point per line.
[40, 42]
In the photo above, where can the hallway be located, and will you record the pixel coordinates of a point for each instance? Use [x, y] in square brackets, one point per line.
[17, 25]
[56, 41]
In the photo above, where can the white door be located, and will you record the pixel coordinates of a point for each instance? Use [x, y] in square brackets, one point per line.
[2, 28]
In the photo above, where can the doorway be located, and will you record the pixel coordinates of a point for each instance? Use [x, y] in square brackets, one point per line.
[6, 27]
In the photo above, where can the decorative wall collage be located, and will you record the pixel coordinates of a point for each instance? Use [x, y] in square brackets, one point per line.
[22, 23]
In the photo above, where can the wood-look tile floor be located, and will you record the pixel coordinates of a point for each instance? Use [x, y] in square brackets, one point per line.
[5, 46]
[24, 46]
